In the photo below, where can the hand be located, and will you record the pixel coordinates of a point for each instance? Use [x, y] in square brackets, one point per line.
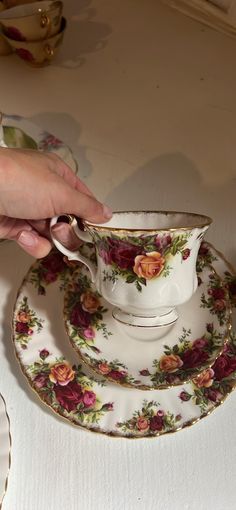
[35, 186]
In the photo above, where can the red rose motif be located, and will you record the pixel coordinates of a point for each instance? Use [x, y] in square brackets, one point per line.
[186, 253]
[162, 242]
[44, 353]
[200, 343]
[218, 293]
[224, 366]
[50, 277]
[213, 395]
[40, 380]
[14, 33]
[184, 396]
[69, 396]
[79, 317]
[24, 54]
[210, 327]
[204, 250]
[22, 328]
[144, 372]
[219, 305]
[53, 263]
[117, 375]
[193, 357]
[89, 398]
[124, 254]
[156, 423]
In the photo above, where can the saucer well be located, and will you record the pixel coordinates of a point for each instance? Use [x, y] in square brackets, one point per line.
[180, 352]
[51, 368]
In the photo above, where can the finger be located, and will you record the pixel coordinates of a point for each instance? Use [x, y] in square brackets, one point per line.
[84, 206]
[62, 169]
[65, 234]
[33, 243]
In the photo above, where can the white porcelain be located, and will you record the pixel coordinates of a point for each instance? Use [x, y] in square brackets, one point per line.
[52, 370]
[146, 261]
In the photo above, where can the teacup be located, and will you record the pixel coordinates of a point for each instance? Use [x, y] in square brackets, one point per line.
[38, 53]
[32, 22]
[146, 262]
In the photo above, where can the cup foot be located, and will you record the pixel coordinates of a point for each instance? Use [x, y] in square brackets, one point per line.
[145, 328]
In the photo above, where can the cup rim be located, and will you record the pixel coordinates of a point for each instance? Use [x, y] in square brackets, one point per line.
[36, 41]
[54, 4]
[206, 221]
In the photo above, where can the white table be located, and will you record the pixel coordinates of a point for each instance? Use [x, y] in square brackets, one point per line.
[146, 99]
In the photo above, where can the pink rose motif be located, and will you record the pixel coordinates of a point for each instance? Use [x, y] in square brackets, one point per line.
[69, 396]
[30, 331]
[23, 316]
[89, 333]
[108, 407]
[24, 54]
[200, 343]
[160, 413]
[79, 317]
[156, 423]
[40, 380]
[89, 398]
[22, 328]
[50, 277]
[186, 253]
[149, 266]
[142, 423]
[144, 372]
[162, 242]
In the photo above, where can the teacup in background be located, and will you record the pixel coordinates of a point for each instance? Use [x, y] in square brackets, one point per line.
[38, 53]
[146, 261]
[32, 22]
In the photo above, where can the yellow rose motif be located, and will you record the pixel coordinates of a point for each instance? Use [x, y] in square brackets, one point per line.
[142, 423]
[62, 374]
[149, 266]
[170, 363]
[90, 302]
[205, 379]
[23, 317]
[104, 368]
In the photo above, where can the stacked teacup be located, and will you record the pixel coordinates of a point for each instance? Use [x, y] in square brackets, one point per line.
[34, 31]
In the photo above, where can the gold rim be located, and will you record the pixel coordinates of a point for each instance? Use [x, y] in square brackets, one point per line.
[9, 455]
[205, 223]
[111, 434]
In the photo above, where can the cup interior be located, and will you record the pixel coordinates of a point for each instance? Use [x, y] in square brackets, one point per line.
[24, 10]
[151, 220]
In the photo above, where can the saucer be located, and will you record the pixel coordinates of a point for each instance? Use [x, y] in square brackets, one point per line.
[114, 350]
[51, 368]
[21, 133]
[5, 448]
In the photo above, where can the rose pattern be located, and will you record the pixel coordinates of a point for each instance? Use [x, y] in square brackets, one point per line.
[62, 374]
[205, 379]
[216, 299]
[149, 266]
[25, 323]
[24, 54]
[90, 302]
[140, 259]
[14, 33]
[67, 389]
[170, 362]
[48, 270]
[150, 420]
[114, 371]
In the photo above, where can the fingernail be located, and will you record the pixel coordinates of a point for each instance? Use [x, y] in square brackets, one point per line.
[27, 238]
[107, 212]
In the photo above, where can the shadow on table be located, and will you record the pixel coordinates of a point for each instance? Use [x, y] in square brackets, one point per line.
[83, 35]
[65, 127]
[172, 182]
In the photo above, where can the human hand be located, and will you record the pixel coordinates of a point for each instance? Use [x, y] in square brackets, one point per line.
[34, 187]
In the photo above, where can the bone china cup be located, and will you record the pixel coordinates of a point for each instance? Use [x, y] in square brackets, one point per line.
[32, 22]
[38, 53]
[146, 261]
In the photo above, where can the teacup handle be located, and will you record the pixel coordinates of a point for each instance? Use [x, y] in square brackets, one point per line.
[75, 255]
[45, 22]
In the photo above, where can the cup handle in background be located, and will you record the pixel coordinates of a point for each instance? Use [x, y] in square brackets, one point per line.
[49, 51]
[74, 255]
[45, 21]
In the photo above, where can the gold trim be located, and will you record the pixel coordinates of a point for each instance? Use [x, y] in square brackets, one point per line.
[54, 6]
[206, 223]
[113, 434]
[10, 446]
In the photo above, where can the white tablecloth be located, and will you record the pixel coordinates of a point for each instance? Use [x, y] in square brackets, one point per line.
[146, 99]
